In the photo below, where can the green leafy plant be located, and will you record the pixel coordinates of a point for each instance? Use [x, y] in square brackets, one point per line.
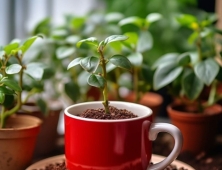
[91, 64]
[13, 75]
[187, 74]
[139, 43]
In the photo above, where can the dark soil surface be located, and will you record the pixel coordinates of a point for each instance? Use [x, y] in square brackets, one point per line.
[113, 115]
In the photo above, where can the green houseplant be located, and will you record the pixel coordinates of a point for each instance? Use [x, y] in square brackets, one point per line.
[90, 64]
[187, 76]
[139, 43]
[17, 131]
[107, 123]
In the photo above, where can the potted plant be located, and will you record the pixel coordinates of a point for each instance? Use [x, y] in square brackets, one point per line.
[186, 76]
[138, 44]
[111, 137]
[18, 132]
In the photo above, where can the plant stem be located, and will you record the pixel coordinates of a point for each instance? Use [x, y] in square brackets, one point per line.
[135, 79]
[213, 90]
[6, 114]
[2, 118]
[199, 43]
[105, 90]
[30, 93]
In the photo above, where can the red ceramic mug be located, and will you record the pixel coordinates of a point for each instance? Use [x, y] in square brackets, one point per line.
[92, 144]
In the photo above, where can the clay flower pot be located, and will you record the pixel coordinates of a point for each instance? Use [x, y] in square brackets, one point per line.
[198, 129]
[114, 144]
[150, 99]
[47, 136]
[18, 141]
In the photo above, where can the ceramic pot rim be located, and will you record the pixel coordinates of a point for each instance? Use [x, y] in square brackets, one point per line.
[146, 111]
[172, 111]
[37, 122]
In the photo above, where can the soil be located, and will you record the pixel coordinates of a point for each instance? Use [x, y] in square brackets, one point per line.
[62, 166]
[113, 115]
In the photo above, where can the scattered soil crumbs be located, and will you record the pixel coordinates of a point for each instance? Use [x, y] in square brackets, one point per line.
[114, 114]
[62, 166]
[58, 166]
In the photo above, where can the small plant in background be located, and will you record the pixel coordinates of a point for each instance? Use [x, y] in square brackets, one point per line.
[13, 73]
[92, 63]
[138, 44]
[187, 74]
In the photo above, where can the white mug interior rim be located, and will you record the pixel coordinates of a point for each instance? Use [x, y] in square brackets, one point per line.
[140, 110]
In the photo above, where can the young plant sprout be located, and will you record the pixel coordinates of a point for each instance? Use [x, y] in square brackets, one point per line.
[92, 63]
[11, 62]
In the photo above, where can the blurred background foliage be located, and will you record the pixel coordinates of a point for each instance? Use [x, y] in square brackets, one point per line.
[168, 35]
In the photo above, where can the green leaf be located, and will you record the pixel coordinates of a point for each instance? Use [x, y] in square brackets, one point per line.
[34, 70]
[27, 44]
[77, 22]
[90, 64]
[207, 70]
[192, 37]
[63, 52]
[96, 81]
[145, 42]
[110, 67]
[9, 101]
[2, 98]
[42, 27]
[191, 85]
[74, 62]
[43, 106]
[132, 20]
[73, 39]
[60, 33]
[8, 49]
[153, 17]
[13, 69]
[136, 59]
[186, 20]
[121, 61]
[183, 59]
[132, 40]
[113, 17]
[113, 38]
[11, 83]
[90, 41]
[166, 59]
[206, 32]
[5, 90]
[72, 91]
[166, 74]
[216, 30]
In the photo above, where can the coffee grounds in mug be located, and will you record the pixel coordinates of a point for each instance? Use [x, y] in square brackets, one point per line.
[114, 114]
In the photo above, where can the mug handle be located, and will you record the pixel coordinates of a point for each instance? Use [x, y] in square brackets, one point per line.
[154, 129]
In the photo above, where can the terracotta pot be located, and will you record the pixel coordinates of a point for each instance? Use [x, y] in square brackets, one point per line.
[46, 140]
[150, 99]
[18, 141]
[198, 129]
